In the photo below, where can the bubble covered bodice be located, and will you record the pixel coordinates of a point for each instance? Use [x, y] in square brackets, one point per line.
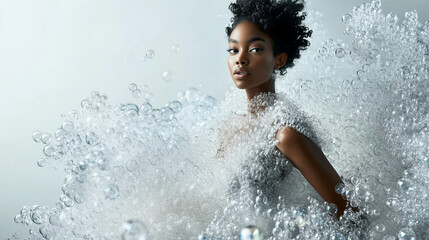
[261, 172]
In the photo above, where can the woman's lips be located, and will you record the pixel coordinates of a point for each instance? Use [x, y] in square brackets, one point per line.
[240, 76]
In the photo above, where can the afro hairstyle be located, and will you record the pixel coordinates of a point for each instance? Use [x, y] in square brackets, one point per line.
[282, 20]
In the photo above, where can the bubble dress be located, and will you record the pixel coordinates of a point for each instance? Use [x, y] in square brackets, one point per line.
[264, 178]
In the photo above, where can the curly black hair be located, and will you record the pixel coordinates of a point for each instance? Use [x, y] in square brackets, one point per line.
[282, 20]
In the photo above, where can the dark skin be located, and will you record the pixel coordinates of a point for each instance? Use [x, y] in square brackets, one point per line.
[251, 49]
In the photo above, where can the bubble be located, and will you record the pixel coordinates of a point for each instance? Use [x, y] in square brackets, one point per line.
[340, 53]
[340, 188]
[167, 76]
[404, 184]
[67, 126]
[394, 204]
[406, 234]
[380, 227]
[132, 87]
[134, 230]
[176, 106]
[250, 233]
[46, 138]
[38, 215]
[18, 218]
[191, 95]
[149, 97]
[145, 88]
[137, 93]
[167, 113]
[323, 51]
[37, 136]
[346, 18]
[146, 108]
[150, 54]
[85, 104]
[48, 150]
[41, 162]
[91, 138]
[103, 163]
[332, 209]
[111, 191]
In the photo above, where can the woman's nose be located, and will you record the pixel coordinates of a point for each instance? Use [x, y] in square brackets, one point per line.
[241, 60]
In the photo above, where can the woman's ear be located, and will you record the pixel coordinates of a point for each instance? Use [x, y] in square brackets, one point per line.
[280, 60]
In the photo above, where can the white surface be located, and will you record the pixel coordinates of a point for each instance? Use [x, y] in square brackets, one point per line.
[54, 53]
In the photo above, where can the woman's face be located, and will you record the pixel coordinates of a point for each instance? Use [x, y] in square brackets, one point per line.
[251, 60]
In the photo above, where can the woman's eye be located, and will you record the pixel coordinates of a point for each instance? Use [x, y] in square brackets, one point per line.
[231, 50]
[256, 50]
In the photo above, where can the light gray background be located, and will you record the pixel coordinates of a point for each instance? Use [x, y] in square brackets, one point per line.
[54, 53]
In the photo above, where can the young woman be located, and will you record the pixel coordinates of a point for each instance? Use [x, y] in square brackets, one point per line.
[275, 136]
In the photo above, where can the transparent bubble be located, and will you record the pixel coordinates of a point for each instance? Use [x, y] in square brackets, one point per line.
[150, 54]
[111, 192]
[67, 126]
[167, 76]
[48, 150]
[37, 136]
[91, 138]
[176, 106]
[332, 209]
[346, 18]
[167, 113]
[323, 51]
[18, 218]
[191, 95]
[38, 215]
[134, 230]
[41, 162]
[85, 104]
[137, 93]
[250, 233]
[404, 184]
[340, 188]
[145, 88]
[149, 97]
[394, 204]
[380, 227]
[340, 53]
[46, 138]
[146, 108]
[132, 87]
[406, 234]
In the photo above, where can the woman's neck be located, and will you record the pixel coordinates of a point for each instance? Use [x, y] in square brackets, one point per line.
[267, 87]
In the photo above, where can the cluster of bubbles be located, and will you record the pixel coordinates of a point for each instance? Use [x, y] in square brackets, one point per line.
[137, 92]
[198, 168]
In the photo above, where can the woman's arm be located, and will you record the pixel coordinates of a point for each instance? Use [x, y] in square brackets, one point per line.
[313, 165]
